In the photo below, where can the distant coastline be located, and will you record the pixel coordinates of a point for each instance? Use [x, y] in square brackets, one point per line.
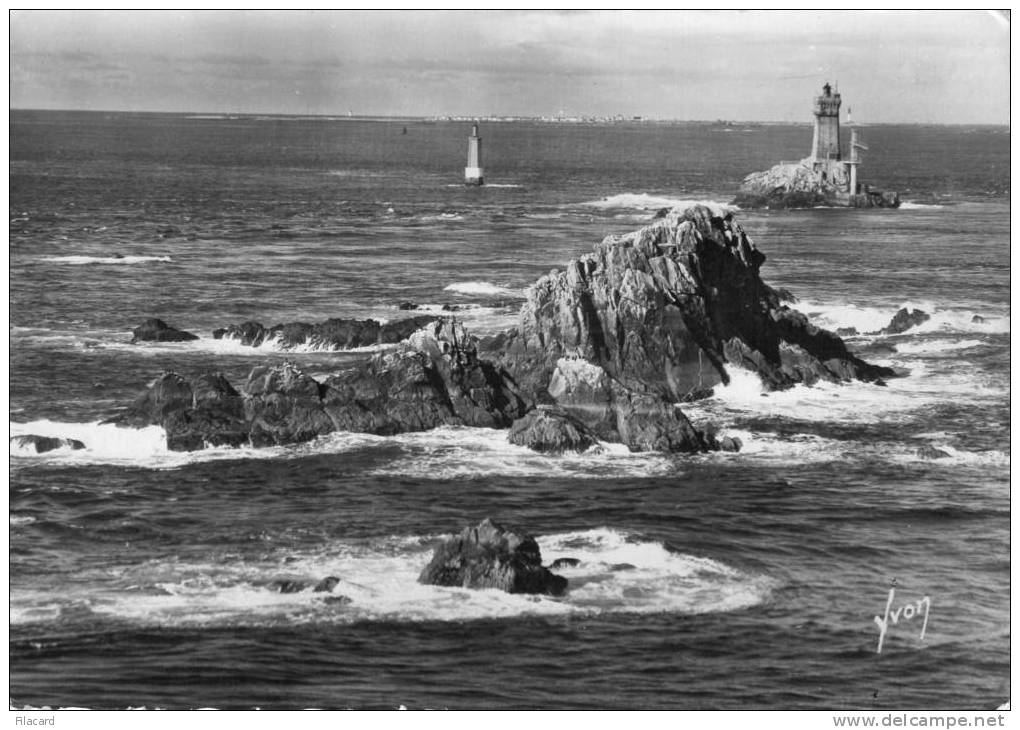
[734, 125]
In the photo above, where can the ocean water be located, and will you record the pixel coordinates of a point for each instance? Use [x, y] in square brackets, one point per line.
[141, 577]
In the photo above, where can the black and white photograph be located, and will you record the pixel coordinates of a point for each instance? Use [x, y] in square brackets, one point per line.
[510, 360]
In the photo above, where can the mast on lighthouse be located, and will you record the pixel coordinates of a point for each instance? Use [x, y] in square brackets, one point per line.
[473, 172]
[855, 159]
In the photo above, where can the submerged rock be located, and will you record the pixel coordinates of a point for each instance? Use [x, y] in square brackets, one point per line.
[552, 431]
[730, 443]
[42, 444]
[156, 330]
[337, 600]
[492, 556]
[904, 320]
[326, 585]
[930, 452]
[168, 232]
[564, 563]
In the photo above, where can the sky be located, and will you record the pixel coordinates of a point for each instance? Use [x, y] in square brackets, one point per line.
[945, 67]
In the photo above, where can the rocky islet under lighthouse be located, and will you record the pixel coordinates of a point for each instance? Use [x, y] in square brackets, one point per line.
[823, 178]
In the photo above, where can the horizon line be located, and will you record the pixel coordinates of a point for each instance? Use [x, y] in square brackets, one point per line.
[496, 118]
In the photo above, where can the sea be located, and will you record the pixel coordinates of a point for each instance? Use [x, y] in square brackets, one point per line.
[764, 579]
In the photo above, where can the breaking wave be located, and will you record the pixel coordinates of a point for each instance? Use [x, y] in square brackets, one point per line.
[644, 201]
[449, 452]
[869, 320]
[910, 205]
[483, 288]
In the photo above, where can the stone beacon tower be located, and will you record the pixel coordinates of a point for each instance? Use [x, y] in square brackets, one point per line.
[473, 172]
[826, 142]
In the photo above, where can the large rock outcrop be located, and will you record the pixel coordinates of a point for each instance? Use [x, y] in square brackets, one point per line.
[616, 342]
[492, 556]
[433, 379]
[333, 334]
[808, 184]
[657, 317]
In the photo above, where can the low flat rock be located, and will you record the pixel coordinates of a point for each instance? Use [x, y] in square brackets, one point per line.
[551, 431]
[156, 330]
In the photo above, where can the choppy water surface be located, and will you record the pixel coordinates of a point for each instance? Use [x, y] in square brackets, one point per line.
[142, 577]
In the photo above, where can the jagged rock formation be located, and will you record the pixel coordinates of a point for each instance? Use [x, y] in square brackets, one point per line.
[657, 317]
[903, 320]
[492, 556]
[333, 334]
[156, 330]
[615, 342]
[801, 185]
[433, 379]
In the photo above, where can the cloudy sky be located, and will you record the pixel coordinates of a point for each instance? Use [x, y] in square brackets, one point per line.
[912, 66]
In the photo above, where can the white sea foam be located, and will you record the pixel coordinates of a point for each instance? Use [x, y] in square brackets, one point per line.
[147, 448]
[786, 449]
[806, 448]
[871, 319]
[454, 452]
[274, 344]
[487, 185]
[911, 205]
[222, 346]
[103, 443]
[82, 260]
[957, 457]
[449, 452]
[935, 346]
[443, 217]
[644, 201]
[479, 319]
[484, 288]
[618, 572]
[851, 402]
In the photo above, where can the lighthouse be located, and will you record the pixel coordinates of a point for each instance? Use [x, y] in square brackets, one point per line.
[473, 171]
[826, 143]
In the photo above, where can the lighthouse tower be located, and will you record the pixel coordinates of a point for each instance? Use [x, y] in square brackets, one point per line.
[826, 143]
[473, 172]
